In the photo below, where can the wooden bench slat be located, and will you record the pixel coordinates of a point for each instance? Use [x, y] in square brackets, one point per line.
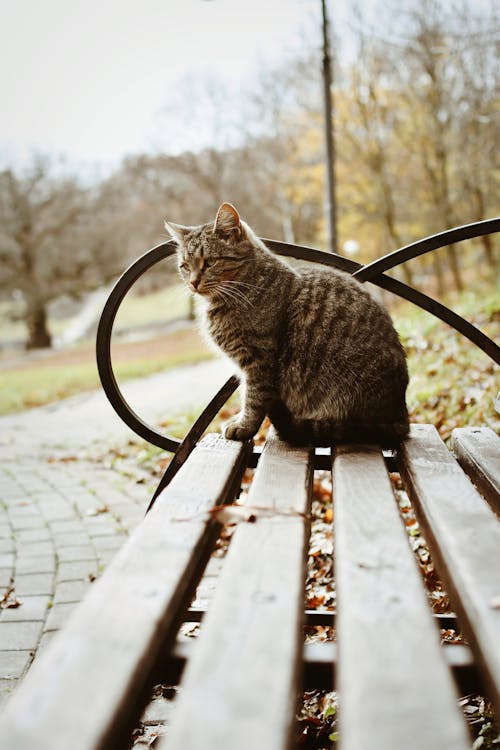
[464, 535]
[240, 687]
[478, 452]
[87, 684]
[395, 688]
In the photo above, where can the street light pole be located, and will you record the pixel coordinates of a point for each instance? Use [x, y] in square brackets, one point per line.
[331, 206]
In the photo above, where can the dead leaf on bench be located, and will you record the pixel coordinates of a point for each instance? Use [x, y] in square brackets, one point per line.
[233, 514]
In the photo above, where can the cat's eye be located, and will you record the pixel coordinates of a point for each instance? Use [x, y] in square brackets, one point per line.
[184, 266]
[209, 263]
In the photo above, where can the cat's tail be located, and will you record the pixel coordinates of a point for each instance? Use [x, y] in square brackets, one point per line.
[329, 432]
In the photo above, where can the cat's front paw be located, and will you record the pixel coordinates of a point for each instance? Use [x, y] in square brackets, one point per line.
[235, 431]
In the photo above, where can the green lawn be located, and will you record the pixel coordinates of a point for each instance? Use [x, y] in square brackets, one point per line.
[157, 307]
[67, 373]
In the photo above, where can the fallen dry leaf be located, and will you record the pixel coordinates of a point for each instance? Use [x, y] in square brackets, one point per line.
[232, 514]
[8, 600]
[313, 602]
[97, 511]
[61, 459]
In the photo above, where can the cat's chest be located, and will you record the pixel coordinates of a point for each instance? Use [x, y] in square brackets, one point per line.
[229, 333]
[222, 327]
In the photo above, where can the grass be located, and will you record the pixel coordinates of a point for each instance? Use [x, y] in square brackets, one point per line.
[157, 307]
[41, 381]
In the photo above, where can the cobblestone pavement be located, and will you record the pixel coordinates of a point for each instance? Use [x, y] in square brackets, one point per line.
[63, 513]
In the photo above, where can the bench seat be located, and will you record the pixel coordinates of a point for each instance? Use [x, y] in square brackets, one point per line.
[242, 676]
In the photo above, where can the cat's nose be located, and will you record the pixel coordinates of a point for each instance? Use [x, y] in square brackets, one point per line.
[195, 281]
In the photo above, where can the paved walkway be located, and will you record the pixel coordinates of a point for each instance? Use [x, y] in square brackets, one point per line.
[63, 513]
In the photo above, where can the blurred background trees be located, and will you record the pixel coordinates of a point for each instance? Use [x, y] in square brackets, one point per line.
[56, 238]
[417, 139]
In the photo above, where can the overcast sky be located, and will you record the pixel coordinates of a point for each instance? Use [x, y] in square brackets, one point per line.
[85, 78]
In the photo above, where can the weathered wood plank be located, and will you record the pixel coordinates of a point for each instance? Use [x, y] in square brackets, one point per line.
[83, 690]
[478, 452]
[464, 535]
[395, 688]
[240, 688]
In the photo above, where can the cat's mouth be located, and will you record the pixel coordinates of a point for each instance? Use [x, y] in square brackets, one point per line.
[196, 289]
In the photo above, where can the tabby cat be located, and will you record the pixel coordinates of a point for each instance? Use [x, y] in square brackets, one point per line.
[316, 352]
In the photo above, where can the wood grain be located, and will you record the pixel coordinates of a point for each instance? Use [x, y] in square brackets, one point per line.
[240, 688]
[464, 535]
[82, 693]
[478, 451]
[395, 688]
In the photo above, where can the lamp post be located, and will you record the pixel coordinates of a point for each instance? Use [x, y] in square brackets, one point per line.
[331, 205]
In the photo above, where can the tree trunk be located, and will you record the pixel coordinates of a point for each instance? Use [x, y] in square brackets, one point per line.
[38, 332]
[389, 216]
[451, 252]
[489, 254]
[485, 239]
[438, 273]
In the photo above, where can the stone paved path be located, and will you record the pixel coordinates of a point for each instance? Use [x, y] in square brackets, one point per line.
[63, 514]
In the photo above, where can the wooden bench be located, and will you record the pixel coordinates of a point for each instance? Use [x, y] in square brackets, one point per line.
[242, 676]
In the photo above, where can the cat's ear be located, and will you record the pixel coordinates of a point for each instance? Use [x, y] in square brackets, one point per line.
[176, 231]
[228, 220]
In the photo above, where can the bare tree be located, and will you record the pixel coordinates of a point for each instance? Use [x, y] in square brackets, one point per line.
[368, 119]
[447, 82]
[477, 55]
[52, 242]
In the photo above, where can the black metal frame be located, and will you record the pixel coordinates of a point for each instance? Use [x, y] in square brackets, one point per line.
[373, 272]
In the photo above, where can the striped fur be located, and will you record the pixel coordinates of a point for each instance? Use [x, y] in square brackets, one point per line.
[318, 354]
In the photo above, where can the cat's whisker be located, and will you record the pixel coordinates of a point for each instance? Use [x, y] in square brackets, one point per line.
[242, 283]
[233, 294]
[216, 289]
[225, 292]
[221, 286]
[238, 294]
[233, 285]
